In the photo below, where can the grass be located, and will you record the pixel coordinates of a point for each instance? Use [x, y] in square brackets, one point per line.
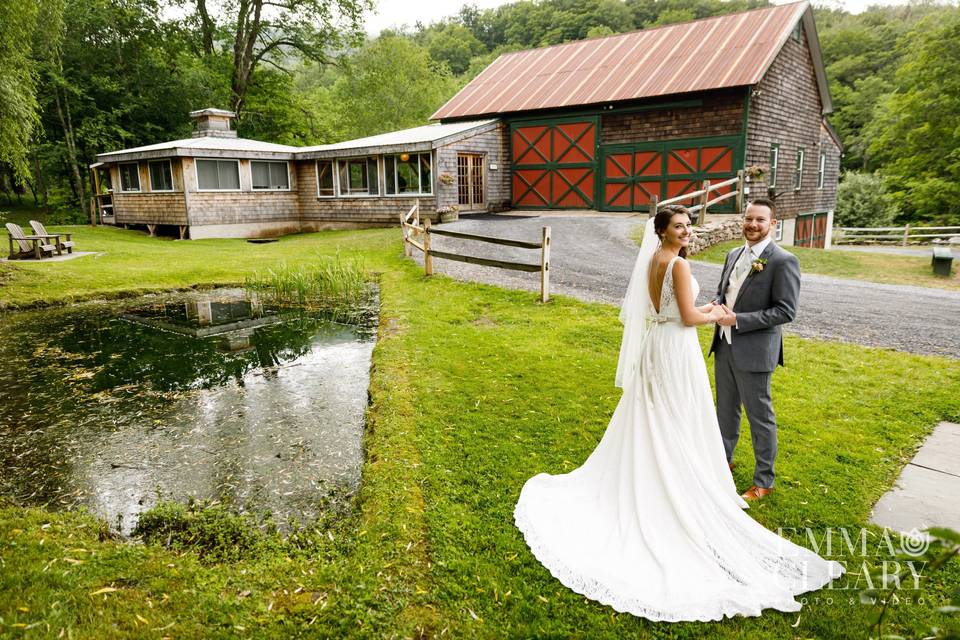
[873, 267]
[474, 389]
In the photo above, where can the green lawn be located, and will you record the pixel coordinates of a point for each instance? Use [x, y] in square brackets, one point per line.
[474, 389]
[873, 267]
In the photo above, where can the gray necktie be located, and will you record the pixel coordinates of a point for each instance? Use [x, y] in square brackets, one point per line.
[743, 265]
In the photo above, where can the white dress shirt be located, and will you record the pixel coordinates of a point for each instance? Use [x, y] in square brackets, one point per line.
[748, 255]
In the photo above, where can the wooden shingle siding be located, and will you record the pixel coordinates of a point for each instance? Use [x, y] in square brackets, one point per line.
[490, 145]
[146, 207]
[239, 207]
[720, 114]
[785, 109]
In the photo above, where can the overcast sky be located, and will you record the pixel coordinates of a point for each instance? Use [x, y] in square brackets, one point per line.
[396, 13]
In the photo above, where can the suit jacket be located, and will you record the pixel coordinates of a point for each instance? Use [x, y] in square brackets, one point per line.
[767, 299]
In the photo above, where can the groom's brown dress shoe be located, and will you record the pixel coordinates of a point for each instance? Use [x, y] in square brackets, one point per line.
[755, 493]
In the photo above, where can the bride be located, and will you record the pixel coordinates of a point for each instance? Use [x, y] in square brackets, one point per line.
[652, 524]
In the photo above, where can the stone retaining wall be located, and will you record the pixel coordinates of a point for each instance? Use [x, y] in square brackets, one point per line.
[714, 232]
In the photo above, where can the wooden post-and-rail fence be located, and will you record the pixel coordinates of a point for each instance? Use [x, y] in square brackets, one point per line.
[413, 229]
[702, 196]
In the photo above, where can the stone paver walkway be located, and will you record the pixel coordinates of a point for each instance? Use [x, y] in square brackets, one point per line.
[927, 493]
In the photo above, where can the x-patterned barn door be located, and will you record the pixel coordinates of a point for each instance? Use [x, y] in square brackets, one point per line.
[633, 173]
[554, 163]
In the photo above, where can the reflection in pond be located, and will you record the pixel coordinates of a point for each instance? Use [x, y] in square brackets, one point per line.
[213, 396]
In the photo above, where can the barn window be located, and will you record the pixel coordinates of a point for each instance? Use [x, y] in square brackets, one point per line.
[822, 169]
[798, 170]
[218, 175]
[325, 178]
[358, 176]
[269, 176]
[129, 177]
[161, 177]
[409, 174]
[774, 163]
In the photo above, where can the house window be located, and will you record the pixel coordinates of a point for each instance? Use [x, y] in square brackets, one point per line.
[129, 177]
[325, 178]
[778, 233]
[358, 176]
[774, 164]
[270, 176]
[822, 169]
[796, 32]
[161, 177]
[798, 170]
[409, 174]
[218, 175]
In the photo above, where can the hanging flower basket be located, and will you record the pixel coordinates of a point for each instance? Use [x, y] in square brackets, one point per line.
[449, 214]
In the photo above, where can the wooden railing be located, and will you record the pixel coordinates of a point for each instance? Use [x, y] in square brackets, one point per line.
[702, 196]
[413, 230]
[904, 235]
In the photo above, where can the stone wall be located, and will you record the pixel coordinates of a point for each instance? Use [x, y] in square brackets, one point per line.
[716, 230]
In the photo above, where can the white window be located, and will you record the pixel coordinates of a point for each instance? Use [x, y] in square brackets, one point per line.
[774, 164]
[270, 176]
[822, 169]
[325, 181]
[218, 175]
[161, 176]
[409, 174]
[778, 233]
[129, 177]
[798, 170]
[359, 176]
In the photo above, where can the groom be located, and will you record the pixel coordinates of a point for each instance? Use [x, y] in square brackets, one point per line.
[759, 288]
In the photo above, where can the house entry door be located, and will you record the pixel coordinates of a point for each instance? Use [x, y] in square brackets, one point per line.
[470, 187]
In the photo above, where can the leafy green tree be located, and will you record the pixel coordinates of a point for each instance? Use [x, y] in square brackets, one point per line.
[914, 136]
[862, 201]
[390, 84]
[452, 43]
[274, 32]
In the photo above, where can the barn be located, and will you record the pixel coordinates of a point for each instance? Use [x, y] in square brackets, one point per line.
[607, 123]
[603, 124]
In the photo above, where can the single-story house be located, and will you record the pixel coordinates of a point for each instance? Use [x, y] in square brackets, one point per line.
[600, 124]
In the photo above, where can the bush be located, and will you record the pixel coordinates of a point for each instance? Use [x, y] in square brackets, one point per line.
[862, 201]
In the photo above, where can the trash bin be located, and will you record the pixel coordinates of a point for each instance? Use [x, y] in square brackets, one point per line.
[942, 261]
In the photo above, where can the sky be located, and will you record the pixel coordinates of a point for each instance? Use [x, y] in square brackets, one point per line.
[396, 13]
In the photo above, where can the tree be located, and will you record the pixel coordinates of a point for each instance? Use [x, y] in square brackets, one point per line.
[451, 43]
[273, 31]
[862, 201]
[914, 135]
[391, 84]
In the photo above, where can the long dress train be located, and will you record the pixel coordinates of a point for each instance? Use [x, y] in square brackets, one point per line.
[652, 524]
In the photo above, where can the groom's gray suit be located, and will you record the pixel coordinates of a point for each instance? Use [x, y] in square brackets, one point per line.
[744, 366]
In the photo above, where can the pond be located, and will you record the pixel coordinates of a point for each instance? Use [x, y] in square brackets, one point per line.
[211, 396]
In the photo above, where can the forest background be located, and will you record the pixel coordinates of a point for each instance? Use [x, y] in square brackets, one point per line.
[81, 77]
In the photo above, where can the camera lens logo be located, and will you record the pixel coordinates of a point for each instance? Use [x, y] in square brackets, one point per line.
[914, 543]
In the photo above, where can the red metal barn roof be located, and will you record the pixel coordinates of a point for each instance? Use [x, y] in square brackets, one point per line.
[725, 51]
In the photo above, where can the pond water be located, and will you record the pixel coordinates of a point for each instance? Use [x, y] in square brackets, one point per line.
[213, 396]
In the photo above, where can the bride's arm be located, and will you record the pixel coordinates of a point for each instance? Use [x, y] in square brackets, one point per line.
[683, 289]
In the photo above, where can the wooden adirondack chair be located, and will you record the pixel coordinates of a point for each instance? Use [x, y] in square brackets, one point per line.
[24, 246]
[40, 231]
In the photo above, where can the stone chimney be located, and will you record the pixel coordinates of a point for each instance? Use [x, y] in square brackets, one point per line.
[213, 123]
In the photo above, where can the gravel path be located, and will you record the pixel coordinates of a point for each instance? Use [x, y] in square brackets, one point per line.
[592, 258]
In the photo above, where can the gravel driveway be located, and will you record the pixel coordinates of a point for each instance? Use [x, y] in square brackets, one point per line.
[592, 257]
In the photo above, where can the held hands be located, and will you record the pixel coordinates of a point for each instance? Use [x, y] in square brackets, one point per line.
[727, 317]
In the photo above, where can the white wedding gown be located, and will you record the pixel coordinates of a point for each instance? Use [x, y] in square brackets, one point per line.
[652, 524]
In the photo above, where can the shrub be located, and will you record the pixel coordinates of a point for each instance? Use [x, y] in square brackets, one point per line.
[214, 532]
[862, 201]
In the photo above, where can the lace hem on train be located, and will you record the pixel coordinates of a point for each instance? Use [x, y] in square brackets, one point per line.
[711, 611]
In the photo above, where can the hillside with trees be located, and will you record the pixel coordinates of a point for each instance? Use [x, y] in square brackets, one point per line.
[80, 78]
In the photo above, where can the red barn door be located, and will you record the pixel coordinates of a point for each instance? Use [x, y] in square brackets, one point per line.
[553, 163]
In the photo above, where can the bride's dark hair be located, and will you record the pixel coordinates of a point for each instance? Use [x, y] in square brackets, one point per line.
[662, 220]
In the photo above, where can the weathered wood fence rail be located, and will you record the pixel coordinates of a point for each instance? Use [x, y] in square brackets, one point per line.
[412, 229]
[703, 196]
[900, 235]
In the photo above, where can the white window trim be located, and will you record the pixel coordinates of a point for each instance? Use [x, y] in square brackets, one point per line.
[139, 188]
[289, 181]
[396, 187]
[798, 170]
[196, 171]
[822, 170]
[778, 234]
[172, 188]
[336, 181]
[775, 165]
[336, 186]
